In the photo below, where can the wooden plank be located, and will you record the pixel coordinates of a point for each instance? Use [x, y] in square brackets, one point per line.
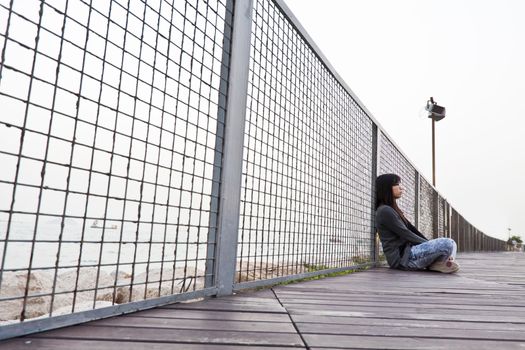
[315, 341]
[453, 316]
[246, 298]
[174, 335]
[260, 293]
[405, 322]
[238, 303]
[409, 331]
[413, 287]
[81, 344]
[375, 282]
[349, 296]
[241, 307]
[421, 303]
[392, 307]
[181, 323]
[215, 315]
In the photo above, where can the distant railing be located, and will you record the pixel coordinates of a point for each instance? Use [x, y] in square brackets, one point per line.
[155, 152]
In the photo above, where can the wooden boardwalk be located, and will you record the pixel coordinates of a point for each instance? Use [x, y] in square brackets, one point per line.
[482, 307]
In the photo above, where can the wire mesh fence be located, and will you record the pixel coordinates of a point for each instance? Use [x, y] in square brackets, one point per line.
[393, 161]
[306, 189]
[426, 218]
[110, 134]
[441, 230]
[113, 123]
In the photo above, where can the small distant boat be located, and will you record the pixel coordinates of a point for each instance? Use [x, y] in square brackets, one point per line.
[96, 225]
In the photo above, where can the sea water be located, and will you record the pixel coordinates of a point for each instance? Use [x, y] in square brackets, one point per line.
[94, 243]
[138, 247]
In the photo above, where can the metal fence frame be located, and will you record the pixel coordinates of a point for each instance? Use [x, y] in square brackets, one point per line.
[223, 240]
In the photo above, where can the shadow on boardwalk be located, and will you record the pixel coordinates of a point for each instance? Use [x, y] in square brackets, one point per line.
[481, 307]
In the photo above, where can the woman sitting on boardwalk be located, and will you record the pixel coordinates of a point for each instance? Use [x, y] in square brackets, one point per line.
[404, 246]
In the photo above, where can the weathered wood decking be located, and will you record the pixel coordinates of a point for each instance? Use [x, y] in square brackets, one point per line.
[482, 307]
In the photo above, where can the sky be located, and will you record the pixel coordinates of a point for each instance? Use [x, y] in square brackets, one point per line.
[467, 54]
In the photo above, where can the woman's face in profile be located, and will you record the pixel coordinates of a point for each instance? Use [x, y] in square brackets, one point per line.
[397, 191]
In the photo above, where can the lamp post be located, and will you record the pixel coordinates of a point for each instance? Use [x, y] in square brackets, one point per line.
[436, 113]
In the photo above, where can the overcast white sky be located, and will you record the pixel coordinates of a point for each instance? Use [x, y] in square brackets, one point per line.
[470, 56]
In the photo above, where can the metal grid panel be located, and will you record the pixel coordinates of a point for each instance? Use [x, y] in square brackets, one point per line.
[447, 218]
[109, 134]
[392, 161]
[441, 217]
[306, 190]
[454, 225]
[462, 233]
[426, 218]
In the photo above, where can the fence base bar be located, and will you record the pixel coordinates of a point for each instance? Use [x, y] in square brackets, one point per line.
[277, 280]
[40, 325]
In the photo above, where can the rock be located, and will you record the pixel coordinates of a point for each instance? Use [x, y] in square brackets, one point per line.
[250, 271]
[14, 285]
[122, 275]
[141, 290]
[87, 281]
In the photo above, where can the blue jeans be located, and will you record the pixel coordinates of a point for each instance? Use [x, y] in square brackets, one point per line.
[427, 253]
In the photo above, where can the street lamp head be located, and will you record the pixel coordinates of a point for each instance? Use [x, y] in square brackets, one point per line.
[435, 111]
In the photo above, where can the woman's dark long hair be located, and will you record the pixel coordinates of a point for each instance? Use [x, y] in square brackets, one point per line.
[384, 184]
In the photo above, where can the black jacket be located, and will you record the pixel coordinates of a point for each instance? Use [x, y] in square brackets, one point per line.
[397, 237]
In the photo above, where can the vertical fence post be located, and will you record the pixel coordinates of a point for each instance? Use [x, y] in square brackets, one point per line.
[464, 228]
[231, 167]
[417, 201]
[449, 219]
[446, 219]
[376, 159]
[463, 235]
[467, 237]
[453, 225]
[456, 228]
[209, 280]
[435, 214]
[471, 237]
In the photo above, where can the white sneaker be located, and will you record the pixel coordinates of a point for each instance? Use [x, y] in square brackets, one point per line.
[449, 266]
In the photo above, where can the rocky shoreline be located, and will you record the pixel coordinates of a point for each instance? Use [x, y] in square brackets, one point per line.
[108, 292]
